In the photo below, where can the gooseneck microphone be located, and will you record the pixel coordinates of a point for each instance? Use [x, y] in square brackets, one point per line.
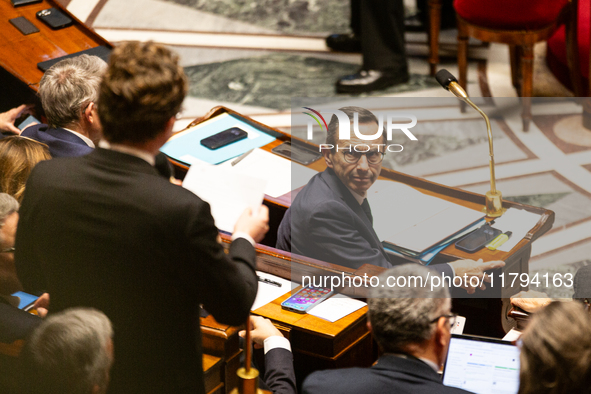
[444, 78]
[450, 83]
[494, 203]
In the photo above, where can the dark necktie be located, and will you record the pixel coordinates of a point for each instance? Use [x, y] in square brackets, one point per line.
[367, 210]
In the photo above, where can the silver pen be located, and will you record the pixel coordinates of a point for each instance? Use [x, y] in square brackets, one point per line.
[239, 158]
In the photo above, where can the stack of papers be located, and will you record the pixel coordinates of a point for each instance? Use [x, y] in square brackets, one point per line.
[416, 225]
[282, 175]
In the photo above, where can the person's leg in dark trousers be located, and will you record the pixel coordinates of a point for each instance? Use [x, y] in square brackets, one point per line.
[348, 42]
[356, 17]
[382, 37]
[382, 44]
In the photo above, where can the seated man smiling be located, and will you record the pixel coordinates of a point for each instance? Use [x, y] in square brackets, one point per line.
[330, 218]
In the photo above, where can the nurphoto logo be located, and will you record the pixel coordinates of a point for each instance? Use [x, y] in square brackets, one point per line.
[389, 121]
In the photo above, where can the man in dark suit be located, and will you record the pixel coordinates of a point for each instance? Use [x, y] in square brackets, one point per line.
[412, 326]
[330, 218]
[69, 92]
[106, 231]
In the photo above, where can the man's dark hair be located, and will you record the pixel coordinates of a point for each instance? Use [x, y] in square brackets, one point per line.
[365, 116]
[143, 88]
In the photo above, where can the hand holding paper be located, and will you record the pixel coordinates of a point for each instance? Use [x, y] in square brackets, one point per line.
[228, 195]
[255, 224]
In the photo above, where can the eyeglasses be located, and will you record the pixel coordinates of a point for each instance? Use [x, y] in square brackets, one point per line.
[373, 157]
[9, 250]
[451, 317]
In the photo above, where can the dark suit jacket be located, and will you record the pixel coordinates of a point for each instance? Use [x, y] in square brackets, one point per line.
[61, 142]
[327, 223]
[15, 324]
[391, 374]
[105, 231]
[279, 374]
[582, 283]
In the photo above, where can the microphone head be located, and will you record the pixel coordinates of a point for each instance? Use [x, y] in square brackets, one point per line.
[444, 78]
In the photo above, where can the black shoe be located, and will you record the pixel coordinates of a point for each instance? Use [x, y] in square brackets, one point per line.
[370, 80]
[344, 42]
[414, 23]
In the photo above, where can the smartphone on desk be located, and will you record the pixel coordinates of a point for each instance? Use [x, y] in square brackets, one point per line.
[297, 153]
[54, 18]
[306, 298]
[224, 138]
[477, 239]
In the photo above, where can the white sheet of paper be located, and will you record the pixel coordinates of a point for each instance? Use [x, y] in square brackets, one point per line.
[228, 193]
[519, 222]
[336, 307]
[276, 170]
[512, 335]
[415, 220]
[440, 226]
[267, 293]
[458, 327]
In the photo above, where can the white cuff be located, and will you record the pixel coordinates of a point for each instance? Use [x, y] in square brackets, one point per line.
[276, 342]
[453, 271]
[247, 237]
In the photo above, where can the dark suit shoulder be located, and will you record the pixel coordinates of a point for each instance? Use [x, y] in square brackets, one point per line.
[61, 142]
[390, 375]
[318, 196]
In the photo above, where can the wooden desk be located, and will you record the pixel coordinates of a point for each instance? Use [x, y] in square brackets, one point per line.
[213, 374]
[19, 54]
[485, 316]
[221, 341]
[316, 343]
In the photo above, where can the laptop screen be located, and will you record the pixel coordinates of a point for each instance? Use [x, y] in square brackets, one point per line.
[482, 365]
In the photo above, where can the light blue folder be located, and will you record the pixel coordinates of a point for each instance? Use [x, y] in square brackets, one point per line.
[186, 147]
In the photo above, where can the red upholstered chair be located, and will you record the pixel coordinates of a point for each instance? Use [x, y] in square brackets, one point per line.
[558, 59]
[556, 56]
[520, 24]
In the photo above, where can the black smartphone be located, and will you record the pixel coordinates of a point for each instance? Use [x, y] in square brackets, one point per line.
[297, 153]
[18, 3]
[477, 239]
[54, 18]
[224, 138]
[306, 298]
[23, 25]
